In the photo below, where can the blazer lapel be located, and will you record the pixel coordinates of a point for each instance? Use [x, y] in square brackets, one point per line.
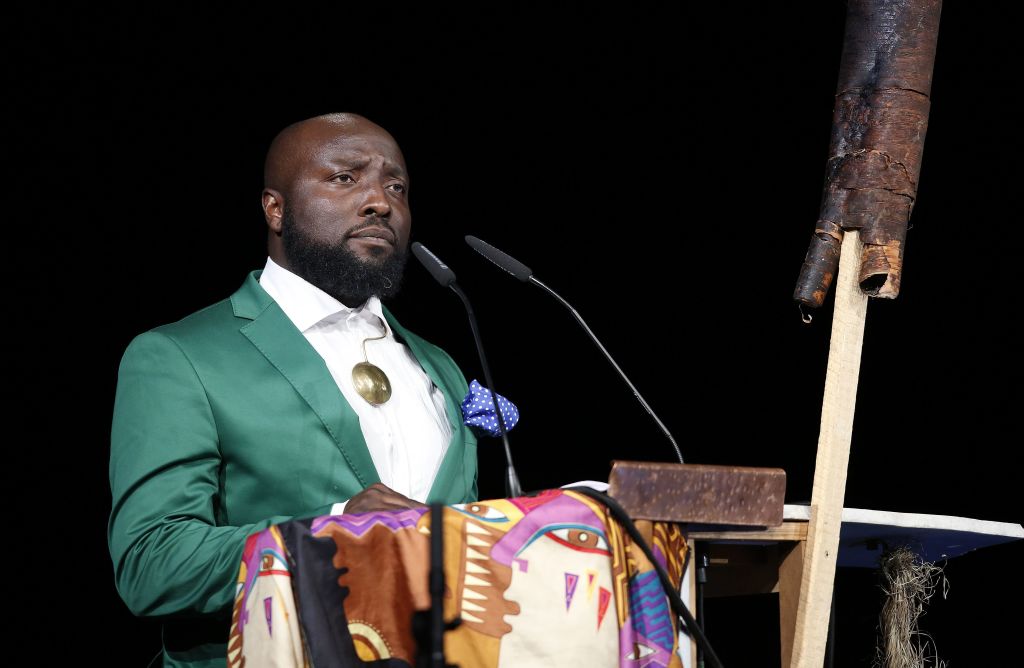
[287, 350]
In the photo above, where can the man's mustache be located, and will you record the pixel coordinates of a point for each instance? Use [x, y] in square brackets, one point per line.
[372, 222]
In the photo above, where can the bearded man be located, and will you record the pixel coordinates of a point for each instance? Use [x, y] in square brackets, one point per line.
[300, 395]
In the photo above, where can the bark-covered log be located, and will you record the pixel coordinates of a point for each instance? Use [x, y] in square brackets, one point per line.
[878, 130]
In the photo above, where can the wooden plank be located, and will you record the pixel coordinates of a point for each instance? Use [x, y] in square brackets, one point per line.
[699, 493]
[795, 530]
[831, 461]
[790, 573]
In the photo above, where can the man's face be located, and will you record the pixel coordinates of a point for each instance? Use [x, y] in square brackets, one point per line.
[346, 218]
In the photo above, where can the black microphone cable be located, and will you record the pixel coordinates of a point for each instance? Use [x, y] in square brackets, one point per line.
[674, 599]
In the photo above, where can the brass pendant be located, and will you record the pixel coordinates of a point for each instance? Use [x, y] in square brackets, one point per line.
[371, 383]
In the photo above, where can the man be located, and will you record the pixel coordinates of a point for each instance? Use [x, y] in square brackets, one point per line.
[298, 396]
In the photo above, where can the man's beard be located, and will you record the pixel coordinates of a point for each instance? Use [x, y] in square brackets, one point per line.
[338, 271]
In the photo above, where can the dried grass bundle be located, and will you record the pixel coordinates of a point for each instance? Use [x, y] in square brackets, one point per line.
[908, 583]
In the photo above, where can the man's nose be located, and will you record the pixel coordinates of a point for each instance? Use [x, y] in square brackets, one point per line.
[375, 201]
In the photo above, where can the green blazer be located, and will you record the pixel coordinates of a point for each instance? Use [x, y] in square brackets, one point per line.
[225, 423]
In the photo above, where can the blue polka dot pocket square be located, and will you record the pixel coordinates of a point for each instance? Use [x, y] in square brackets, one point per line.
[478, 410]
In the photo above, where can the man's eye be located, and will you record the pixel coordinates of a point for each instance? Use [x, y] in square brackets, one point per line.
[343, 178]
[398, 187]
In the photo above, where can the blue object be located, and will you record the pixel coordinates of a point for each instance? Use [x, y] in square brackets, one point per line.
[478, 410]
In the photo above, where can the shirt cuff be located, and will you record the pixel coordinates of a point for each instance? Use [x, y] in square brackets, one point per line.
[338, 508]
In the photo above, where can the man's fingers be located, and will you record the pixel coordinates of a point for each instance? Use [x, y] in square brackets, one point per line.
[380, 497]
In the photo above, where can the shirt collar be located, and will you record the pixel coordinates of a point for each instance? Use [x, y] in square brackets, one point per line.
[306, 305]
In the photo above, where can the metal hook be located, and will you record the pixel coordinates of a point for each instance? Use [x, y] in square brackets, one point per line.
[806, 317]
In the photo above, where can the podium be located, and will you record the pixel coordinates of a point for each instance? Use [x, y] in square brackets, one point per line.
[550, 579]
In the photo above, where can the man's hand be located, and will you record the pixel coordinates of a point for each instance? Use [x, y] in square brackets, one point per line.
[379, 497]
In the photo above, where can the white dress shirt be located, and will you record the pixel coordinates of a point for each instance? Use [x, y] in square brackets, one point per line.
[409, 433]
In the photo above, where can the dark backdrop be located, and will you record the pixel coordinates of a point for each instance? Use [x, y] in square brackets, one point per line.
[659, 168]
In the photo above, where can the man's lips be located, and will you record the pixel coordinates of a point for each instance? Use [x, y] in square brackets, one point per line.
[374, 233]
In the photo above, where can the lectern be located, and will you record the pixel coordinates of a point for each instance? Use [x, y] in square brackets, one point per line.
[549, 579]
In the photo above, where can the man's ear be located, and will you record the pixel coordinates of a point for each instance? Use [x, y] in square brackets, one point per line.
[273, 209]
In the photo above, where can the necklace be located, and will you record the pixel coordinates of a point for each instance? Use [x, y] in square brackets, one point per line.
[371, 383]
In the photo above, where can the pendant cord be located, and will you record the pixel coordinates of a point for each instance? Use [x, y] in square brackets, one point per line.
[372, 338]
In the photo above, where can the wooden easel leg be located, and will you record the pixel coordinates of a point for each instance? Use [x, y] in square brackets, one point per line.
[832, 460]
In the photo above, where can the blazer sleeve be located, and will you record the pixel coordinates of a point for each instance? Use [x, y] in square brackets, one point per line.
[170, 555]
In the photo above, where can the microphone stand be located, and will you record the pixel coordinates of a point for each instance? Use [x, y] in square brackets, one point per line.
[513, 266]
[593, 337]
[511, 480]
[446, 277]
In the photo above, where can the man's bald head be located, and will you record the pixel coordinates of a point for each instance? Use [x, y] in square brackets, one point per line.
[295, 143]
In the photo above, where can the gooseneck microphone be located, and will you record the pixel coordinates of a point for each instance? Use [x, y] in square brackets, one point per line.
[525, 274]
[446, 277]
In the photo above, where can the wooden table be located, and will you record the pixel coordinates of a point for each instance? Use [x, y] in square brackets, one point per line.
[770, 560]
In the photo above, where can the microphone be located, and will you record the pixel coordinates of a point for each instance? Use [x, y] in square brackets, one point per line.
[446, 277]
[525, 274]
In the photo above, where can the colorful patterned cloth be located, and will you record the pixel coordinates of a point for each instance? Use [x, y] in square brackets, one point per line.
[547, 580]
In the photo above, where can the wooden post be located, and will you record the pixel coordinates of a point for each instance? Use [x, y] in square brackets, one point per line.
[832, 460]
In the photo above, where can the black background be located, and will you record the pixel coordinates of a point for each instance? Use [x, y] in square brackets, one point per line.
[660, 168]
